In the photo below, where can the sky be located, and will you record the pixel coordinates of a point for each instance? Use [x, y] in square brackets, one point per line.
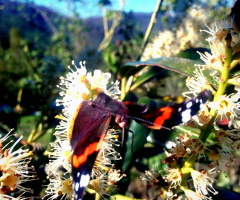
[92, 9]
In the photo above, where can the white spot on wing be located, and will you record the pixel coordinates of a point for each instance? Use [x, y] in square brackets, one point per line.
[179, 109]
[84, 180]
[196, 100]
[202, 106]
[78, 174]
[76, 196]
[76, 187]
[189, 104]
[186, 115]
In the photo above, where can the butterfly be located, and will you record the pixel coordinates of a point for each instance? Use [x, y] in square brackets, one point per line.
[91, 120]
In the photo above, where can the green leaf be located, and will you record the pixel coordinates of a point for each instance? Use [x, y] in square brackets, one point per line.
[140, 134]
[129, 70]
[153, 72]
[180, 65]
[235, 71]
[130, 96]
[192, 53]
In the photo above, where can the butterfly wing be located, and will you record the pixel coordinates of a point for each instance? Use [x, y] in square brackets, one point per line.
[173, 115]
[86, 133]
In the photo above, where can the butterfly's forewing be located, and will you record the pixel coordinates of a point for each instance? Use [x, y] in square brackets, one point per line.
[175, 114]
[87, 130]
[88, 127]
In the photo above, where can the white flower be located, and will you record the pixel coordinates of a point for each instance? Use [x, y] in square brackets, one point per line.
[14, 168]
[196, 84]
[174, 176]
[114, 176]
[162, 45]
[227, 107]
[203, 183]
[218, 31]
[218, 34]
[151, 175]
[60, 156]
[100, 184]
[98, 80]
[59, 186]
[211, 61]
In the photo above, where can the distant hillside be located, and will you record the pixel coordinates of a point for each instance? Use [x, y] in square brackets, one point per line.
[28, 18]
[38, 23]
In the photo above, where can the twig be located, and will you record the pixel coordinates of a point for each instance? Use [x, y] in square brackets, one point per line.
[108, 36]
[150, 27]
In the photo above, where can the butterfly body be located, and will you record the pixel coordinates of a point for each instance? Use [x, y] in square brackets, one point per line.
[91, 120]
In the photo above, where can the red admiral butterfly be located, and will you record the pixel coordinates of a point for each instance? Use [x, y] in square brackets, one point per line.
[91, 120]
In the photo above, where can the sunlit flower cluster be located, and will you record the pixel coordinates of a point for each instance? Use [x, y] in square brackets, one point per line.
[169, 43]
[15, 169]
[77, 86]
[226, 106]
[162, 45]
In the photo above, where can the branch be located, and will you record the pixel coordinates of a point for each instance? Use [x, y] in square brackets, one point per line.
[150, 27]
[108, 36]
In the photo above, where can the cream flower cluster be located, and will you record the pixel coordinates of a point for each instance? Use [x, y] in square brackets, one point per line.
[227, 106]
[15, 169]
[77, 86]
[169, 43]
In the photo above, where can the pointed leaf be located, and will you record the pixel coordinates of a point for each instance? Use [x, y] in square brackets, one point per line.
[129, 70]
[140, 136]
[192, 54]
[180, 65]
[153, 72]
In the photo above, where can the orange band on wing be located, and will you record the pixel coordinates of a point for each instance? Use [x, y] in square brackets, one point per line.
[78, 160]
[167, 111]
[71, 124]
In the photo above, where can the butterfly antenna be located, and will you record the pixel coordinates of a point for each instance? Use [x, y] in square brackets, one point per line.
[151, 123]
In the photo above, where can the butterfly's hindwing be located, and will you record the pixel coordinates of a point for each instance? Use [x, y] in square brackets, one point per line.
[175, 114]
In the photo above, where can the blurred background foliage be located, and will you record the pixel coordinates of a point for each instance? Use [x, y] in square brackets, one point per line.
[37, 44]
